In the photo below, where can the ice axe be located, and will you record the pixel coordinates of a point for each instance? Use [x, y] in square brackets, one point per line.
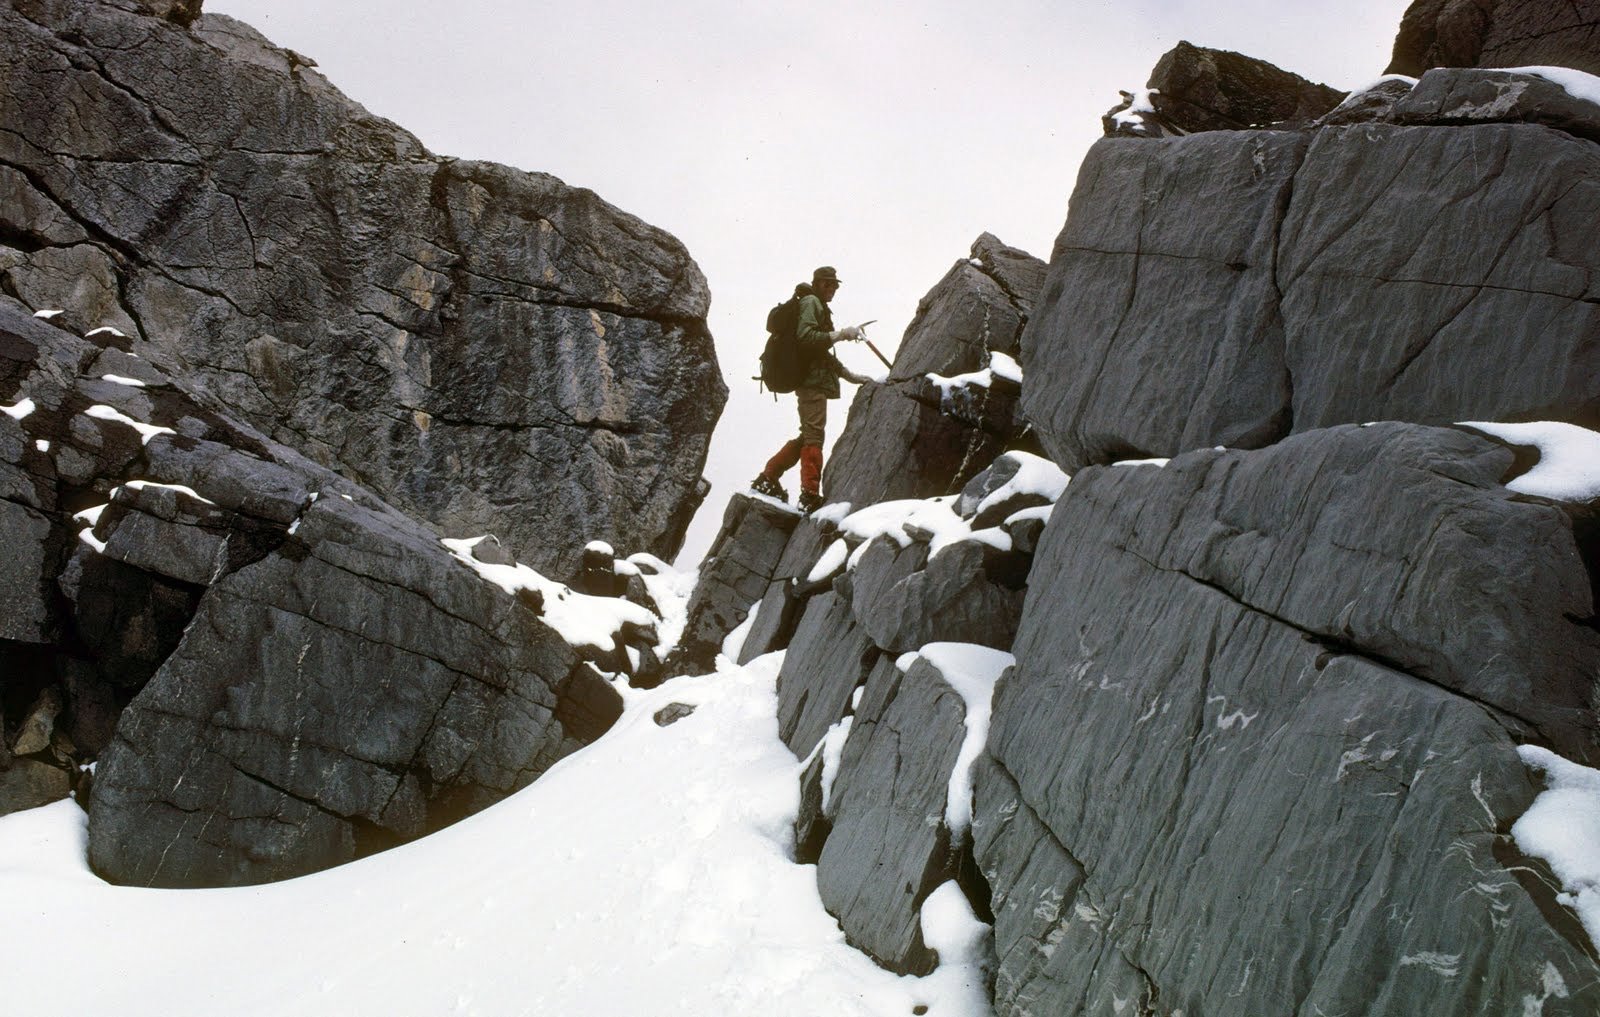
[861, 328]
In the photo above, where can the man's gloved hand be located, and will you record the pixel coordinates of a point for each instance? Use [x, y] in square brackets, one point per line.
[851, 333]
[854, 378]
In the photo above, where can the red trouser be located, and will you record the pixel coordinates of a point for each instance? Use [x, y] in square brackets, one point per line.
[806, 449]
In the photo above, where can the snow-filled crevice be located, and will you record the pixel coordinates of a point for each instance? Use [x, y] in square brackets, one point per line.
[1543, 888]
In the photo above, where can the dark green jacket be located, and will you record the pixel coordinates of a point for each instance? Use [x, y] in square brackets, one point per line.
[824, 370]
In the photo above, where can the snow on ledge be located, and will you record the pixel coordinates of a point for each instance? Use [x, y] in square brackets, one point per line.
[1139, 103]
[1005, 367]
[971, 670]
[1562, 826]
[1569, 458]
[100, 411]
[1035, 475]
[834, 513]
[19, 409]
[48, 313]
[119, 379]
[832, 560]
[580, 619]
[1375, 82]
[1141, 462]
[1579, 85]
[139, 485]
[90, 517]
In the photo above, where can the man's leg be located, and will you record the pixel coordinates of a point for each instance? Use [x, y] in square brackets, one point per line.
[779, 464]
[813, 406]
[766, 481]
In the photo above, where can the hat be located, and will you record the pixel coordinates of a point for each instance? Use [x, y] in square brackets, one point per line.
[824, 274]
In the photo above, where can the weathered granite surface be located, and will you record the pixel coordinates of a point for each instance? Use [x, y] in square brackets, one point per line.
[490, 349]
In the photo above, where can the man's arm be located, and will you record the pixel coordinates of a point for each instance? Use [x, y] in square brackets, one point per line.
[809, 332]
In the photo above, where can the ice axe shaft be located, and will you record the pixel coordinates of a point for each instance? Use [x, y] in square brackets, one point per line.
[879, 353]
[871, 347]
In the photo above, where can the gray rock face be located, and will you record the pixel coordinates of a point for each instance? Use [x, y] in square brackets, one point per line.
[1200, 89]
[1232, 288]
[906, 600]
[1497, 33]
[785, 596]
[490, 349]
[735, 575]
[829, 657]
[312, 675]
[889, 847]
[902, 438]
[1304, 802]
[1456, 96]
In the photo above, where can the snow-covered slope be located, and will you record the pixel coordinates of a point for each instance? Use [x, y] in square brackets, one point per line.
[646, 875]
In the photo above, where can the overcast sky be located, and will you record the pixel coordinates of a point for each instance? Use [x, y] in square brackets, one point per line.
[882, 138]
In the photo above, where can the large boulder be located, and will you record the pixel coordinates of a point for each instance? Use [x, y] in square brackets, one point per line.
[1452, 95]
[490, 349]
[1497, 33]
[1258, 753]
[303, 673]
[735, 575]
[1193, 88]
[1231, 288]
[888, 845]
[910, 437]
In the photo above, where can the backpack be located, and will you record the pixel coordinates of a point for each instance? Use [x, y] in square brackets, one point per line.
[782, 365]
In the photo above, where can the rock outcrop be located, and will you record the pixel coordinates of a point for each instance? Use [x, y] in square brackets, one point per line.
[1324, 773]
[1258, 748]
[743, 561]
[489, 349]
[1497, 33]
[277, 671]
[1197, 89]
[910, 437]
[1276, 282]
[852, 598]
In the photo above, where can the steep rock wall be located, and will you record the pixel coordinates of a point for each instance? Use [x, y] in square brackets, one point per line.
[1205, 796]
[276, 670]
[1497, 33]
[487, 348]
[1270, 282]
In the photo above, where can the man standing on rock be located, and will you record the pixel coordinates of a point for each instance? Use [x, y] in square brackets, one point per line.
[815, 336]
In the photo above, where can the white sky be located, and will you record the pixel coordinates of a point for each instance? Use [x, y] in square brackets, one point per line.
[878, 137]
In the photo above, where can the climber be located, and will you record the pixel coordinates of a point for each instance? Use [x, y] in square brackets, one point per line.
[815, 335]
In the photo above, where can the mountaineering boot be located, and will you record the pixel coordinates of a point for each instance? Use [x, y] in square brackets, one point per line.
[810, 478]
[765, 485]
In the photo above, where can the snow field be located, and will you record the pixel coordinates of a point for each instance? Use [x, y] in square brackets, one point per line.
[647, 876]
